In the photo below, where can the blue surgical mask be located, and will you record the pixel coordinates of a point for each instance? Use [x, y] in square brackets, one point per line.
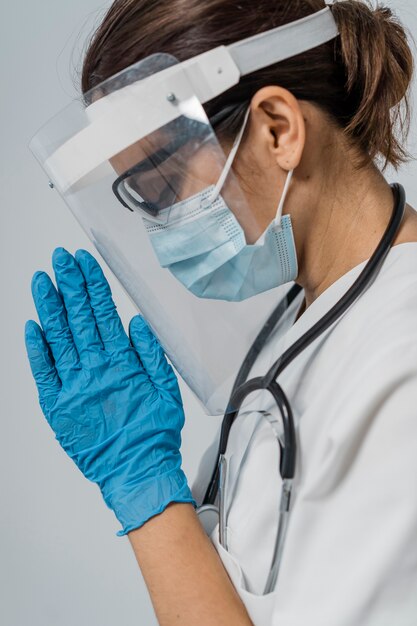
[205, 248]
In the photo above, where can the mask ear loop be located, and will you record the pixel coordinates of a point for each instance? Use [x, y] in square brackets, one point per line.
[230, 159]
[278, 217]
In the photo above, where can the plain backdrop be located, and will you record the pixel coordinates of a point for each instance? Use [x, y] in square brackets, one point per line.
[61, 563]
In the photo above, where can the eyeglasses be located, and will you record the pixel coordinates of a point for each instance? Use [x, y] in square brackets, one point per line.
[152, 185]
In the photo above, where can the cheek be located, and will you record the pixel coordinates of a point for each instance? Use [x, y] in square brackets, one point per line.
[259, 190]
[250, 192]
[203, 170]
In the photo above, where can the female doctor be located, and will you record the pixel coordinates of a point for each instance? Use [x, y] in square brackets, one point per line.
[311, 133]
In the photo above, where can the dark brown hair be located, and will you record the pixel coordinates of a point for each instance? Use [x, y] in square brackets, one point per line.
[360, 80]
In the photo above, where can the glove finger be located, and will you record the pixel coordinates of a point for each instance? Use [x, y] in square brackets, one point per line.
[153, 357]
[109, 324]
[53, 319]
[42, 365]
[73, 289]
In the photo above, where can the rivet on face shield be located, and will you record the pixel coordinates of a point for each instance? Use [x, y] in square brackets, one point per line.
[171, 97]
[220, 70]
[51, 184]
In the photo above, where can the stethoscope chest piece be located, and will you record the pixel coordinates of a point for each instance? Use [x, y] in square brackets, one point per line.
[208, 514]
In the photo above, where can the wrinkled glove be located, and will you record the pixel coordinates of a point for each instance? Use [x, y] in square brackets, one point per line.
[113, 403]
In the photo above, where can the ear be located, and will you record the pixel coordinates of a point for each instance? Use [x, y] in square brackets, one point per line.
[277, 119]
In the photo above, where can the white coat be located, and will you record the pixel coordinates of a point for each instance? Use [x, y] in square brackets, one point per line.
[350, 556]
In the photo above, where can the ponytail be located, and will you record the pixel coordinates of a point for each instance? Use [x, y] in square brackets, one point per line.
[378, 64]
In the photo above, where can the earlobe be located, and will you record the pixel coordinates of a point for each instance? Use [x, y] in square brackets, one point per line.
[282, 124]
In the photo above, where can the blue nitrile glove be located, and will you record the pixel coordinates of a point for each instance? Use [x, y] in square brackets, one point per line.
[114, 404]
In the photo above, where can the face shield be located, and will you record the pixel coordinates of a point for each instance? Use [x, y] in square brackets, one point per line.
[141, 168]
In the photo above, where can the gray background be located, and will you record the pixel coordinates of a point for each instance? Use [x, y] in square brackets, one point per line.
[61, 563]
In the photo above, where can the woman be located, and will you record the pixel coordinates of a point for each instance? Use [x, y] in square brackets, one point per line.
[307, 133]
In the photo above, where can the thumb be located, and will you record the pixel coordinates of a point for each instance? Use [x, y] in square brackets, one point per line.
[42, 365]
[153, 358]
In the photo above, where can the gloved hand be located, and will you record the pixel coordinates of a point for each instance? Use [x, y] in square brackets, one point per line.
[114, 404]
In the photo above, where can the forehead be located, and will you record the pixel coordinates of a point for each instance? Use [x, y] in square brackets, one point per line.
[128, 158]
[181, 136]
[139, 151]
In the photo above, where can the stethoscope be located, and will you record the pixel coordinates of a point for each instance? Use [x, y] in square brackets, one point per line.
[208, 512]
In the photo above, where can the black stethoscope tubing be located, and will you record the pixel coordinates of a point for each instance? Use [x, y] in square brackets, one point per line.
[241, 390]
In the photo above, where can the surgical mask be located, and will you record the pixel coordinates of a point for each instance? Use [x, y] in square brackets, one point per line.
[205, 248]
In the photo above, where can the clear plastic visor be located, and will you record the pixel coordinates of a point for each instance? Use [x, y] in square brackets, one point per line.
[123, 173]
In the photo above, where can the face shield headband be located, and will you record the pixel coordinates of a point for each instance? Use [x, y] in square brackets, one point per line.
[115, 122]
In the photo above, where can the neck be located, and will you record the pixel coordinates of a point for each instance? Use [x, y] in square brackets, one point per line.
[344, 228]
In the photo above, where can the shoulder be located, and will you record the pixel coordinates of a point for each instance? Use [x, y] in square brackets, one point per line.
[382, 324]
[373, 372]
